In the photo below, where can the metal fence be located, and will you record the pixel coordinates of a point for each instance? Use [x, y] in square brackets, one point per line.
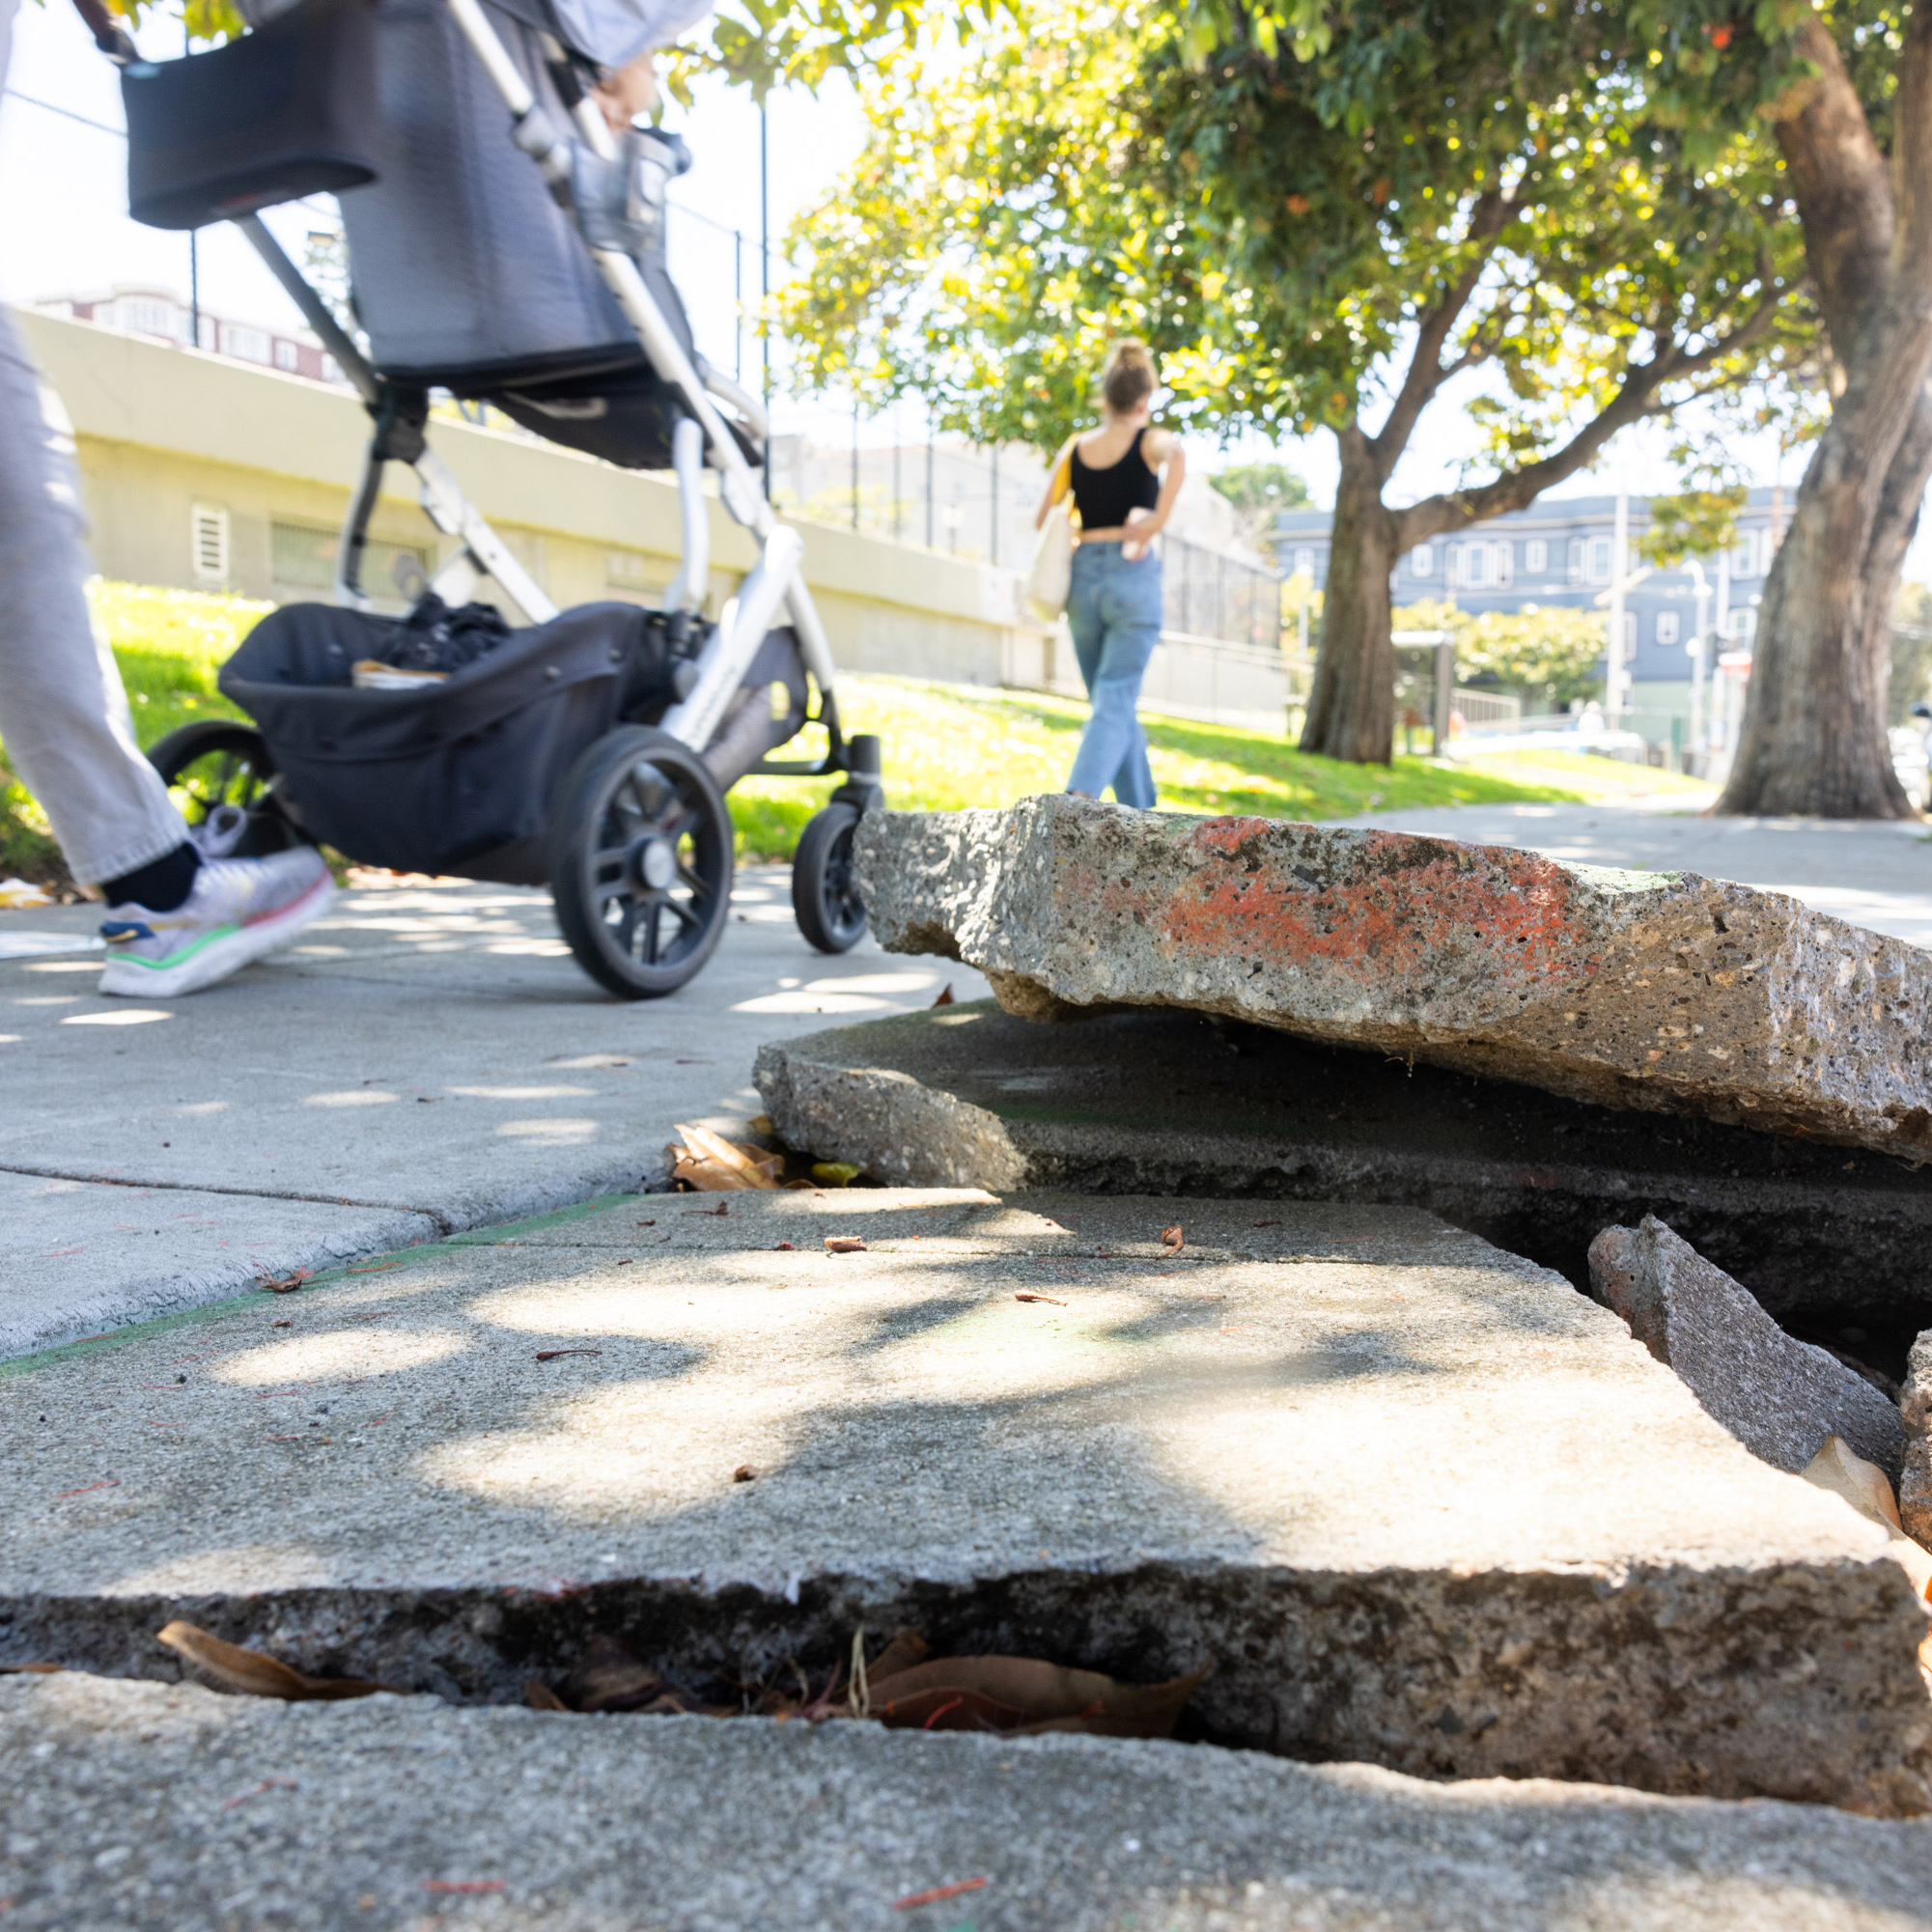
[1210, 594]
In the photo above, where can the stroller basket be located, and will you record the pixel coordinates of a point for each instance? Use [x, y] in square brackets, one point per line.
[454, 777]
[281, 113]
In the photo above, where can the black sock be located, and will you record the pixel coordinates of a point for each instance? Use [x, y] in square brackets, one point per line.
[160, 886]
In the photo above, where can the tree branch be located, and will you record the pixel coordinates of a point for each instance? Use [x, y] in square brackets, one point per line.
[1839, 178]
[1633, 402]
[1426, 373]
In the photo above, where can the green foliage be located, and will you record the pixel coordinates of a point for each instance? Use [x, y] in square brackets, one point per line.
[1696, 523]
[1549, 656]
[1910, 655]
[1265, 487]
[1277, 226]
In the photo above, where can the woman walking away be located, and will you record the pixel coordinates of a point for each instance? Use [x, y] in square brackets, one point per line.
[1125, 477]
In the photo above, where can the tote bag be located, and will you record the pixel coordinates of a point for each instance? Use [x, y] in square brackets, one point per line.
[1050, 575]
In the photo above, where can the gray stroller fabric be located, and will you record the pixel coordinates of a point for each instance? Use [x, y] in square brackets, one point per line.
[463, 268]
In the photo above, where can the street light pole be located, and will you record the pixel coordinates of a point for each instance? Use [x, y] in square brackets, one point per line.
[1614, 676]
[764, 274]
[1697, 650]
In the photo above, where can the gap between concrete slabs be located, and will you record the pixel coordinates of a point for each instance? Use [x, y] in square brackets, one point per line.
[1418, 1500]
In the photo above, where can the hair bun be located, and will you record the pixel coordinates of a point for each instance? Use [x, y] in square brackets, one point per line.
[1128, 377]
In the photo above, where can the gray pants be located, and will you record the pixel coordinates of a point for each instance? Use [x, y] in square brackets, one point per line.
[63, 712]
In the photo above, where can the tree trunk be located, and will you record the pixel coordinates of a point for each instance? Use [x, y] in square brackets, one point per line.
[1352, 709]
[1813, 742]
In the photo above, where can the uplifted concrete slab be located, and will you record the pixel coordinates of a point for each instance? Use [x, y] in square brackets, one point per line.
[81, 1256]
[1175, 1102]
[153, 1805]
[1415, 1499]
[426, 1055]
[1657, 991]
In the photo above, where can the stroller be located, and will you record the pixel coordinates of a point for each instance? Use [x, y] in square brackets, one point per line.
[503, 247]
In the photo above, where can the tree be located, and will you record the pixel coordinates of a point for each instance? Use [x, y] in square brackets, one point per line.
[1311, 241]
[1854, 126]
[1258, 491]
[1548, 655]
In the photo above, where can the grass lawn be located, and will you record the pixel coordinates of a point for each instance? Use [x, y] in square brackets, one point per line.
[946, 746]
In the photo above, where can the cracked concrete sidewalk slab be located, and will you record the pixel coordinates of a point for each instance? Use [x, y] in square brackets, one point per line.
[84, 1256]
[1657, 991]
[1417, 1499]
[1176, 1103]
[427, 1050]
[165, 1806]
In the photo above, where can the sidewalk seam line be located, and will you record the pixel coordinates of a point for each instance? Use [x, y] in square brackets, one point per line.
[443, 1224]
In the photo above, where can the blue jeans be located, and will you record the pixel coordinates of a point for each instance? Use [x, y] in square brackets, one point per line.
[1113, 610]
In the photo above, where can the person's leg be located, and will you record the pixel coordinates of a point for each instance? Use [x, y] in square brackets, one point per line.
[63, 713]
[1089, 628]
[1115, 749]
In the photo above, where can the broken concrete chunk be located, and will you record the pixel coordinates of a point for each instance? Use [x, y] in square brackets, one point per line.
[1638, 989]
[1778, 1396]
[1914, 1487]
[1174, 1102]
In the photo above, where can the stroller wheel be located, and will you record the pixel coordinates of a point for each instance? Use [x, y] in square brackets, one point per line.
[222, 777]
[824, 892]
[640, 861]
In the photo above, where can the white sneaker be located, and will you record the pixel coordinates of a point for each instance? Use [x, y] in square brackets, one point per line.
[239, 910]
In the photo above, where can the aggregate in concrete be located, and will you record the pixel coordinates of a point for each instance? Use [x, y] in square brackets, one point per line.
[164, 1807]
[970, 1096]
[81, 1256]
[1663, 991]
[427, 1055]
[1415, 1499]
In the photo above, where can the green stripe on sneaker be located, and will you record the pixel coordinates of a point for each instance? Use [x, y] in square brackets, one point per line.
[181, 958]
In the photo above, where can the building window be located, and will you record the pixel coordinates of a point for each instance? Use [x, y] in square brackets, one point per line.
[1304, 563]
[286, 356]
[1600, 559]
[1576, 560]
[148, 315]
[1502, 562]
[1475, 565]
[1422, 560]
[1535, 557]
[302, 557]
[1744, 558]
[1666, 626]
[208, 542]
[244, 344]
[1742, 625]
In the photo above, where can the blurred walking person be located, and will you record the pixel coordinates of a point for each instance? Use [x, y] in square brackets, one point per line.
[1124, 477]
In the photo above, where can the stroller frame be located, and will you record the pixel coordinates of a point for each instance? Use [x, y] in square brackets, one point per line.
[616, 818]
[775, 581]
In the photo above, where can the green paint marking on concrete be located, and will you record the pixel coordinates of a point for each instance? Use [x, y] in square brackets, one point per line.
[371, 1264]
[489, 1237]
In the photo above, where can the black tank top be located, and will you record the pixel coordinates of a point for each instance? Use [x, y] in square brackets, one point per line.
[1104, 496]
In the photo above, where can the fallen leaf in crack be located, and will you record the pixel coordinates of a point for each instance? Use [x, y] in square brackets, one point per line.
[1172, 1239]
[844, 1244]
[255, 1673]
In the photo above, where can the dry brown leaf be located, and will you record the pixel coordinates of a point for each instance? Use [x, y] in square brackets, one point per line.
[30, 1669]
[744, 1473]
[713, 1164]
[1022, 1694]
[844, 1244]
[257, 1675]
[1027, 1295]
[281, 1284]
[539, 1696]
[1838, 1467]
[550, 1355]
[945, 998]
[1172, 1239]
[611, 1678]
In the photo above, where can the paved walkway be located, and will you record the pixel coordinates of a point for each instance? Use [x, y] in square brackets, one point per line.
[1872, 872]
[428, 1058]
